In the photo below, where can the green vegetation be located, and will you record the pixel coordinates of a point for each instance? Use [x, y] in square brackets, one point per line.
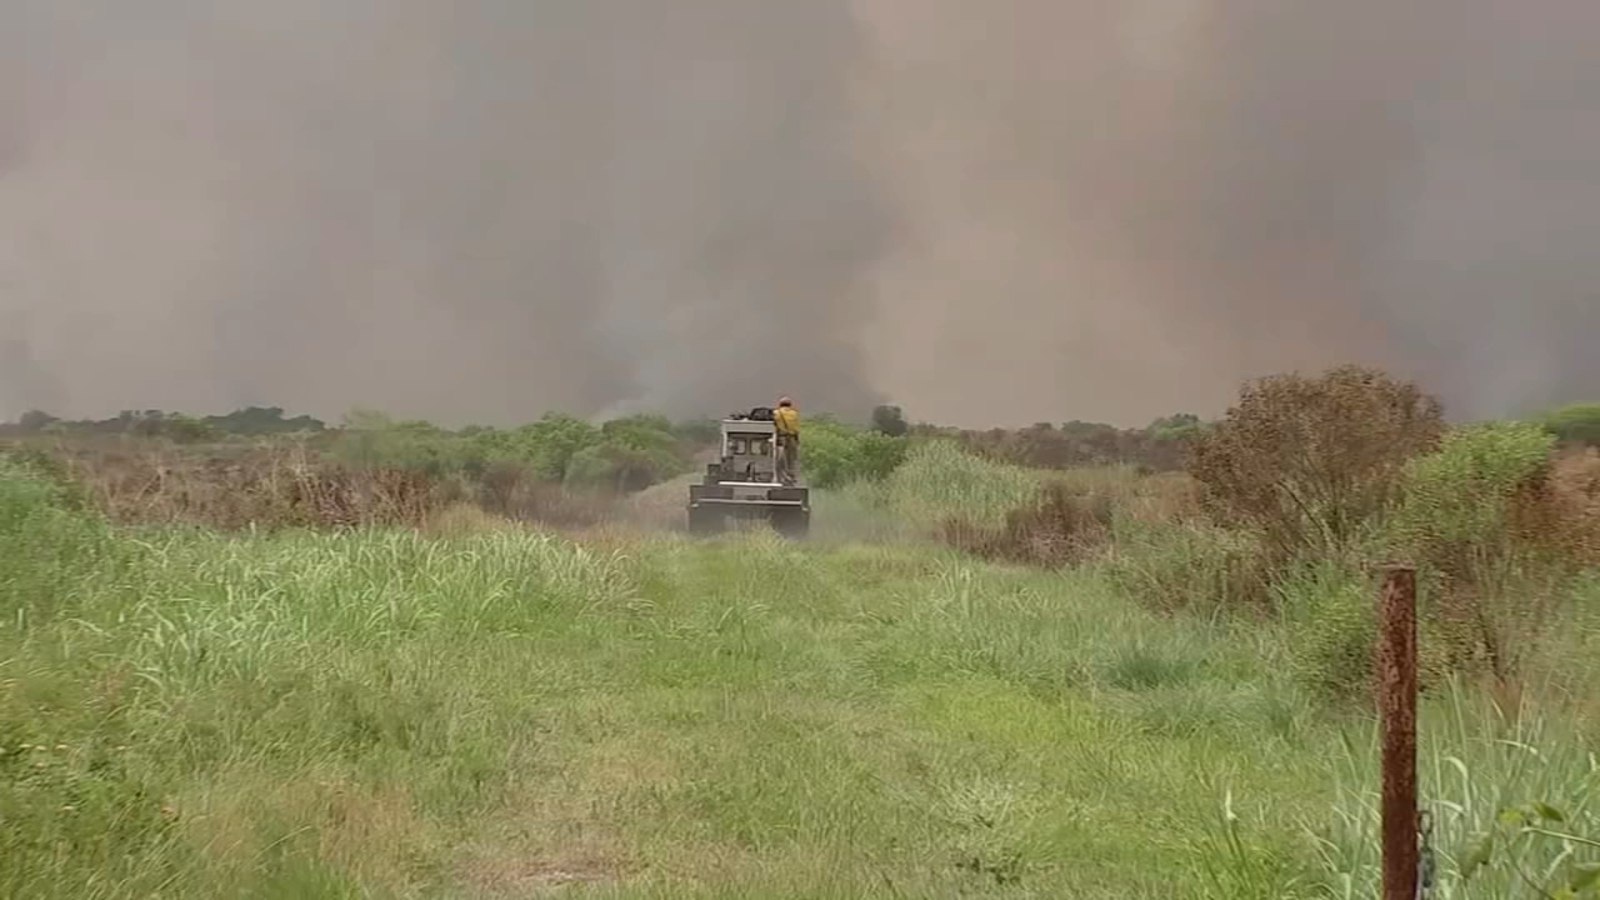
[1576, 422]
[980, 679]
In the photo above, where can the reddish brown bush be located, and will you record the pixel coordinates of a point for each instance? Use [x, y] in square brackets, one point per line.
[1307, 462]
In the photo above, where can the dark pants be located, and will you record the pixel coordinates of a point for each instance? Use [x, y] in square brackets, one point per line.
[788, 458]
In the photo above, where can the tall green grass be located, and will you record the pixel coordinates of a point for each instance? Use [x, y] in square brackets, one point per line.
[937, 482]
[1474, 766]
[386, 714]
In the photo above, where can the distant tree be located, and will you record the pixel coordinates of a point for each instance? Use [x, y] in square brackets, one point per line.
[547, 444]
[698, 431]
[1180, 426]
[890, 420]
[361, 419]
[262, 420]
[36, 420]
[187, 429]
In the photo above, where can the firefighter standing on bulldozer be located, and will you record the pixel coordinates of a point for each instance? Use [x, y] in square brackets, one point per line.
[786, 422]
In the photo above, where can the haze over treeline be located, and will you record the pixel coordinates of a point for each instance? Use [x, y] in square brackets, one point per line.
[1043, 210]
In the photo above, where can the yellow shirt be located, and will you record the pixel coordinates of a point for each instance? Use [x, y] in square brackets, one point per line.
[787, 420]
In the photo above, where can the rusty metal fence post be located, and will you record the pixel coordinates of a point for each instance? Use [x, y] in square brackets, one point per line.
[1396, 666]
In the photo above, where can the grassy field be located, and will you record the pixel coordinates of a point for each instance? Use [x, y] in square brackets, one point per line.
[482, 710]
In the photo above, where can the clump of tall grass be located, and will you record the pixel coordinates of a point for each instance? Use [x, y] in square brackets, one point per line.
[939, 480]
[1188, 565]
[1508, 803]
[1512, 803]
[1060, 525]
[53, 550]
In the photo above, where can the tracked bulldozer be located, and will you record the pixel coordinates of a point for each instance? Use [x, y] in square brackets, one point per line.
[743, 483]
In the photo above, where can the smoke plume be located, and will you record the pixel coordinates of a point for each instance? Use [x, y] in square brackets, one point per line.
[996, 214]
[468, 211]
[1127, 208]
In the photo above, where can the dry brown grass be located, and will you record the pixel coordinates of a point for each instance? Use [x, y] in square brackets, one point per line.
[373, 832]
[286, 485]
[1158, 497]
[1574, 481]
[261, 487]
[1063, 525]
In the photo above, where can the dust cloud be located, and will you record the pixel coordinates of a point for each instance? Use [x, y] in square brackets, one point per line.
[1046, 210]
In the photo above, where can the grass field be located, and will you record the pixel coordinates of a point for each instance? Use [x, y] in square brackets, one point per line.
[485, 710]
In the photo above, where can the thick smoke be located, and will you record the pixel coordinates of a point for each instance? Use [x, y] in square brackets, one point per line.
[1029, 210]
[1127, 208]
[469, 211]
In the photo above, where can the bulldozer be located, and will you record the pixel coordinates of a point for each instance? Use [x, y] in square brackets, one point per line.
[743, 483]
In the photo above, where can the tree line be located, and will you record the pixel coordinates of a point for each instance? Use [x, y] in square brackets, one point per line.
[633, 452]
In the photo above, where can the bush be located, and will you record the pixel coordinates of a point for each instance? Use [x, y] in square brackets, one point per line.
[547, 446]
[372, 439]
[1060, 526]
[1310, 463]
[833, 454]
[1459, 500]
[1577, 423]
[1332, 628]
[890, 420]
[618, 468]
[1159, 447]
[1482, 523]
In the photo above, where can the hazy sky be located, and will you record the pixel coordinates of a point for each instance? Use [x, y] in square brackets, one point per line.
[483, 209]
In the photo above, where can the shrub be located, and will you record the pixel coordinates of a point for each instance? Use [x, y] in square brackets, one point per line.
[546, 445]
[890, 420]
[626, 454]
[1459, 500]
[1332, 628]
[1045, 445]
[618, 468]
[372, 439]
[1061, 525]
[1576, 423]
[1310, 463]
[833, 454]
[1481, 521]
